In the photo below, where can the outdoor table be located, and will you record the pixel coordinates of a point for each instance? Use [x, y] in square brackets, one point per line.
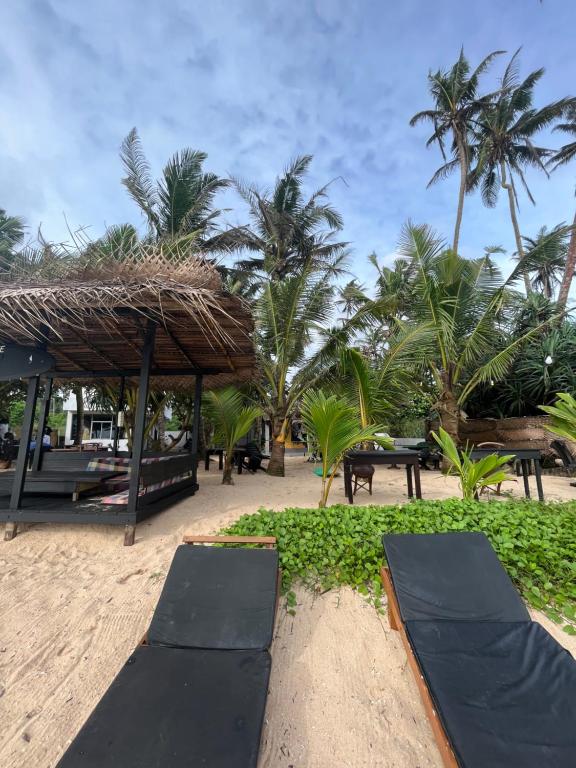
[214, 452]
[524, 456]
[401, 456]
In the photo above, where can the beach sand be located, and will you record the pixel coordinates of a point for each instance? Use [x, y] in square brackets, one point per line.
[74, 603]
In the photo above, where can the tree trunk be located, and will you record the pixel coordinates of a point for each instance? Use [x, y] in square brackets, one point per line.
[449, 415]
[227, 472]
[276, 463]
[568, 271]
[461, 193]
[79, 395]
[512, 203]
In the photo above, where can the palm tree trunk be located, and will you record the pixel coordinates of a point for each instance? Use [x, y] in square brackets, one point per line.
[227, 473]
[512, 203]
[568, 271]
[461, 193]
[449, 414]
[276, 463]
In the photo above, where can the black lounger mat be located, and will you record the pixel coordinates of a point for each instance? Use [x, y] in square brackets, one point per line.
[176, 708]
[506, 692]
[216, 597]
[452, 576]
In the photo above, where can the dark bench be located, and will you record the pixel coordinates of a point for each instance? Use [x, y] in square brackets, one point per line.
[497, 688]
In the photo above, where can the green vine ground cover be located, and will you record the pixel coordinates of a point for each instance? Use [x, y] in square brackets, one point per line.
[341, 545]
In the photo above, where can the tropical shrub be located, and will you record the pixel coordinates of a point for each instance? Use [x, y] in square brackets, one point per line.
[473, 476]
[342, 544]
[232, 419]
[563, 416]
[337, 428]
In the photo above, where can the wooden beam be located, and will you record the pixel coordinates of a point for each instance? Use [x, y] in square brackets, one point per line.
[24, 447]
[196, 428]
[95, 350]
[42, 418]
[179, 347]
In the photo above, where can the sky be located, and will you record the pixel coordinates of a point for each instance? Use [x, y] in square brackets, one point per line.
[254, 83]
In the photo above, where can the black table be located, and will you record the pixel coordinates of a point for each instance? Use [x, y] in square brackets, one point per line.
[401, 456]
[523, 456]
[214, 452]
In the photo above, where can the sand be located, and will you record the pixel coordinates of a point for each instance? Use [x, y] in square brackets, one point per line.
[74, 602]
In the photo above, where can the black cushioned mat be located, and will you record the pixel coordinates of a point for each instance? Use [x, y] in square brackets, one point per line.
[506, 692]
[176, 708]
[451, 576]
[216, 597]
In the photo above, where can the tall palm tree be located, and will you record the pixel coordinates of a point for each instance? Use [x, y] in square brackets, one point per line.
[545, 258]
[11, 235]
[288, 229]
[287, 314]
[564, 155]
[504, 143]
[456, 106]
[181, 202]
[454, 327]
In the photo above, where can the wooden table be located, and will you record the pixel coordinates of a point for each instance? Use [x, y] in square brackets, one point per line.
[214, 452]
[401, 456]
[524, 456]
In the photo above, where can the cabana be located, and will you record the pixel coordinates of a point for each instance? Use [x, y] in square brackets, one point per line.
[156, 318]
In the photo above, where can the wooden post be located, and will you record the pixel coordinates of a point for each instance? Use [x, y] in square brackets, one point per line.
[24, 448]
[139, 429]
[42, 418]
[119, 407]
[196, 428]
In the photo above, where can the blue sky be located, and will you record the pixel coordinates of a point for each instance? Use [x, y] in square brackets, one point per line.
[254, 83]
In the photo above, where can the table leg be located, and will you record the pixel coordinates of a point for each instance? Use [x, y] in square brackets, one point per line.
[538, 473]
[240, 461]
[417, 481]
[220, 460]
[525, 472]
[207, 461]
[409, 480]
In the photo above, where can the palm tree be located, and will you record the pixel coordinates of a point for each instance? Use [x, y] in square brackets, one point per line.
[336, 427]
[232, 419]
[504, 143]
[545, 258]
[287, 229]
[453, 330]
[287, 313]
[456, 107]
[11, 235]
[181, 202]
[564, 155]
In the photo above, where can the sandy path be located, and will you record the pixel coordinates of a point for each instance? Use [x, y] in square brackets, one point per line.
[74, 603]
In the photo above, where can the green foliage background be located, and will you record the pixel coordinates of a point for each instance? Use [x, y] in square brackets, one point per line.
[341, 545]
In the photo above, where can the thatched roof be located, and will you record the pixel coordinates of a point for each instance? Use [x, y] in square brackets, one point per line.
[92, 314]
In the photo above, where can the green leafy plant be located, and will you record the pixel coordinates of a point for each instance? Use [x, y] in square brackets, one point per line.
[337, 428]
[342, 544]
[563, 416]
[473, 475]
[232, 419]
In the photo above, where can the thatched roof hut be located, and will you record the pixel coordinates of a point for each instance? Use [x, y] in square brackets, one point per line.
[91, 315]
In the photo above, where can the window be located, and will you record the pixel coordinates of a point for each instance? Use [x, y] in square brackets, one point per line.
[101, 430]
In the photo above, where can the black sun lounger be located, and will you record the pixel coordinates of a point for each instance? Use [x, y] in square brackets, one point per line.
[201, 703]
[498, 690]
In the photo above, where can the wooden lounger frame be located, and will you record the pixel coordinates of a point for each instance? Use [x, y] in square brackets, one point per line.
[268, 542]
[396, 623]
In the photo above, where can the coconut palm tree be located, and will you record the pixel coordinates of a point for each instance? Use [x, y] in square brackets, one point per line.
[288, 229]
[454, 325]
[564, 155]
[287, 314]
[232, 419]
[545, 258]
[456, 106]
[504, 144]
[11, 235]
[181, 202]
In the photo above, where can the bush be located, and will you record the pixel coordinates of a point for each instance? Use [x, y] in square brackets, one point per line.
[341, 545]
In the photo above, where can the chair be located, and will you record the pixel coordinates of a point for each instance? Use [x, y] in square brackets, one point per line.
[564, 453]
[362, 476]
[497, 688]
[194, 691]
